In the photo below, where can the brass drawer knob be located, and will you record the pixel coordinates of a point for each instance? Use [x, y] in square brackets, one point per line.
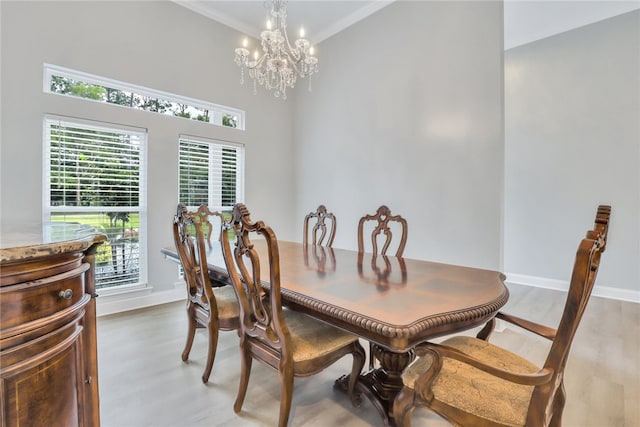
[66, 294]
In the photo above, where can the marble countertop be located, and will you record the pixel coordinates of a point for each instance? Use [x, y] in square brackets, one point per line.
[35, 240]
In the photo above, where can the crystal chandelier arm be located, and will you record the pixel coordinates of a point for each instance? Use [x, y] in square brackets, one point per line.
[257, 63]
[301, 62]
[293, 53]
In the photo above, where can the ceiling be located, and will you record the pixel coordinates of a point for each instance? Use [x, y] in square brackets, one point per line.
[525, 21]
[321, 18]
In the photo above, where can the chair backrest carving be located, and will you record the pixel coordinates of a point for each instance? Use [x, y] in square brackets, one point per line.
[324, 227]
[260, 311]
[202, 216]
[601, 224]
[382, 218]
[189, 229]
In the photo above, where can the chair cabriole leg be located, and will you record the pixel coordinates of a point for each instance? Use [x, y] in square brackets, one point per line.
[245, 372]
[191, 332]
[212, 327]
[286, 395]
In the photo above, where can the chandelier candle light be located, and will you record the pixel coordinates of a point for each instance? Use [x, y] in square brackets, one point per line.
[280, 64]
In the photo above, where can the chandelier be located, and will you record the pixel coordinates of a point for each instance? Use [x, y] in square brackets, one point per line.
[279, 64]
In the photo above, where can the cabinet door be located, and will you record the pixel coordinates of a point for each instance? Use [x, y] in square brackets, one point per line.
[45, 388]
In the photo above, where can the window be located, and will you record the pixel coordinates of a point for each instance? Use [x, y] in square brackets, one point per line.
[101, 89]
[95, 174]
[211, 173]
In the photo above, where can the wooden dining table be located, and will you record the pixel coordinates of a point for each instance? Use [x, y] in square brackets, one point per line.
[395, 303]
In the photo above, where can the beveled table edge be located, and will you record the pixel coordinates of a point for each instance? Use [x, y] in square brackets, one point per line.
[391, 331]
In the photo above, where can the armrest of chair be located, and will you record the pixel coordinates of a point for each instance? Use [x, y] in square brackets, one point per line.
[438, 352]
[541, 330]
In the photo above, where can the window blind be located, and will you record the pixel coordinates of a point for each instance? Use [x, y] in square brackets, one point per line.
[211, 173]
[96, 175]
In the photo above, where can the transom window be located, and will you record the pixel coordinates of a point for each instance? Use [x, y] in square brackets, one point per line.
[69, 82]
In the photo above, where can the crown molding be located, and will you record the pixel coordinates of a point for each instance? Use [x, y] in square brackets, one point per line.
[201, 8]
[350, 19]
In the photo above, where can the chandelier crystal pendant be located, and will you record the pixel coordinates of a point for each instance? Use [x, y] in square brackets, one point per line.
[280, 63]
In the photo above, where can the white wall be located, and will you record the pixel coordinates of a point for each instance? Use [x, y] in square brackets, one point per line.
[572, 105]
[154, 44]
[407, 111]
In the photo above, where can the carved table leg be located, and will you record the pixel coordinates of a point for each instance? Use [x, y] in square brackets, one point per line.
[381, 385]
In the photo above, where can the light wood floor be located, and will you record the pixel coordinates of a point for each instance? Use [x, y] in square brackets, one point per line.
[143, 381]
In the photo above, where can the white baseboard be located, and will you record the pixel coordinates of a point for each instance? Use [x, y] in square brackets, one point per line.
[562, 285]
[139, 298]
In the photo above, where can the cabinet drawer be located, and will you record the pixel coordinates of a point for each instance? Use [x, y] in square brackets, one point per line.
[19, 271]
[33, 300]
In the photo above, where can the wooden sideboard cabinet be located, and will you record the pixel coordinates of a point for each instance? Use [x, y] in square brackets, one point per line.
[48, 360]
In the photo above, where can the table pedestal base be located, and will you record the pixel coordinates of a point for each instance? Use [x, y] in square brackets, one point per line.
[381, 385]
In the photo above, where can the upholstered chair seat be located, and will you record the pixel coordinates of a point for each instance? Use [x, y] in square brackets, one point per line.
[228, 307]
[474, 391]
[313, 339]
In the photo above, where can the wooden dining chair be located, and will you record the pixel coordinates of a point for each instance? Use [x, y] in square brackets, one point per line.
[471, 382]
[291, 342]
[324, 227]
[381, 230]
[207, 307]
[381, 220]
